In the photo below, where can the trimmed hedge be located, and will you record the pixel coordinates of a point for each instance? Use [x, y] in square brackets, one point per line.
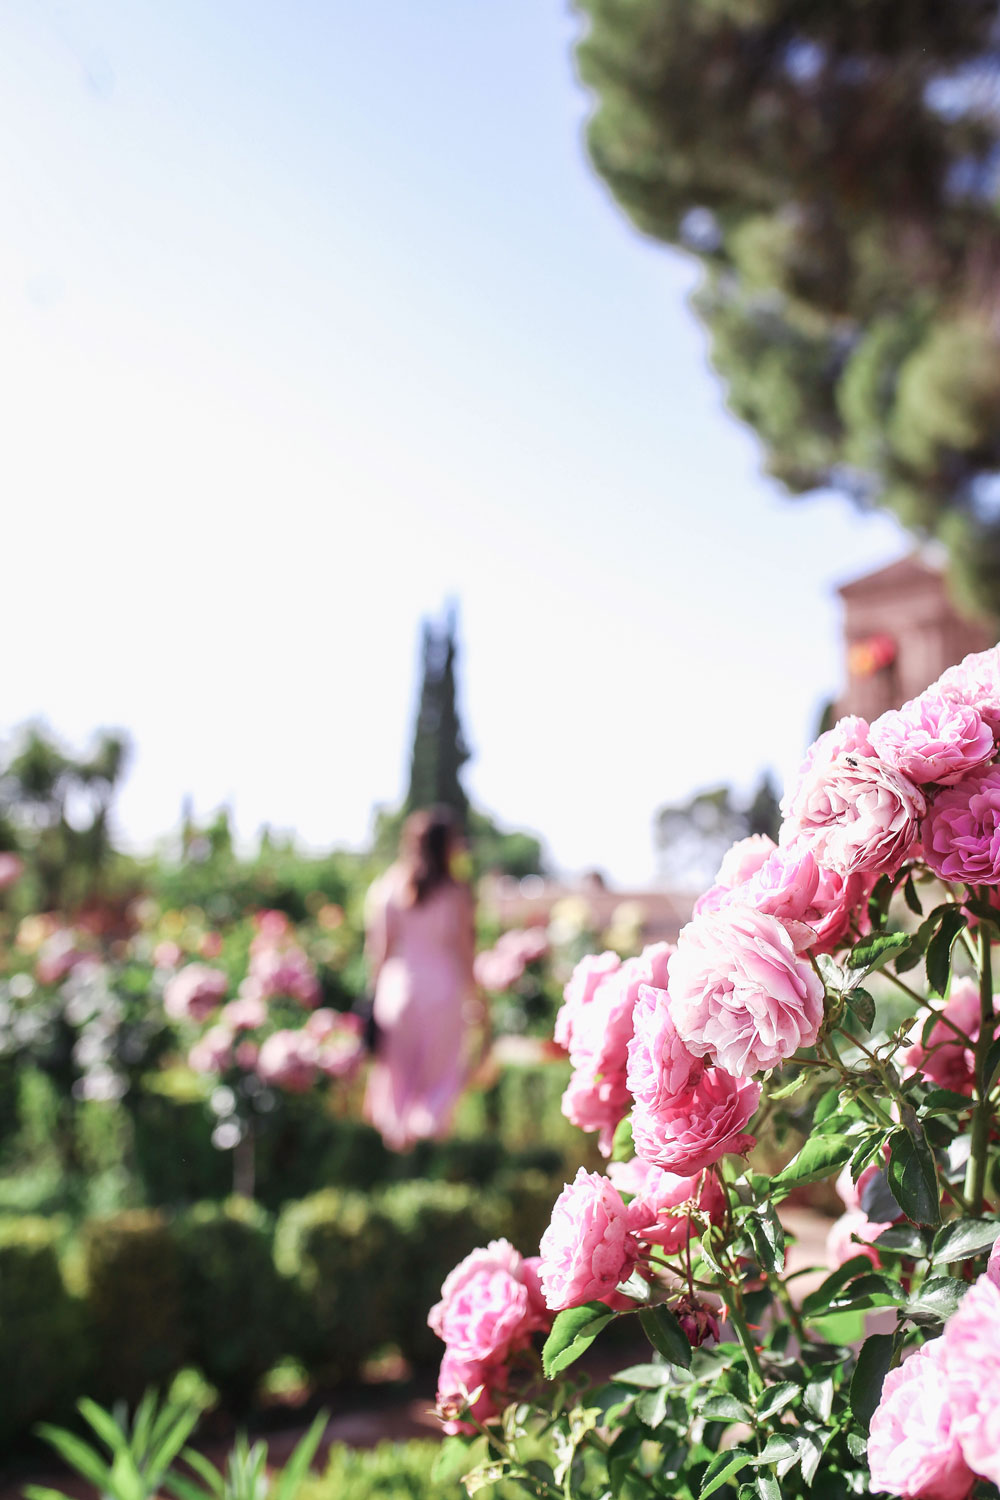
[235, 1303]
[336, 1251]
[43, 1332]
[133, 1290]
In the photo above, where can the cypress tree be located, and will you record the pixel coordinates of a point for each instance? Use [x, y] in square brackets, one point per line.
[439, 746]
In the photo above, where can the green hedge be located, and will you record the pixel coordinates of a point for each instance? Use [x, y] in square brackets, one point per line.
[235, 1303]
[132, 1278]
[336, 1249]
[43, 1332]
[394, 1471]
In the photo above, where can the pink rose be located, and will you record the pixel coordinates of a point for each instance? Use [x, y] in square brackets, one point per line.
[699, 1320]
[784, 886]
[245, 1014]
[913, 1447]
[593, 1103]
[194, 993]
[971, 1342]
[694, 1129]
[839, 907]
[167, 955]
[461, 1378]
[945, 1060]
[841, 1240]
[744, 859]
[588, 1247]
[580, 989]
[739, 992]
[660, 1065]
[932, 738]
[849, 736]
[288, 1060]
[976, 682]
[213, 1052]
[961, 832]
[662, 1203]
[993, 1265]
[341, 1050]
[278, 970]
[11, 870]
[490, 1305]
[857, 815]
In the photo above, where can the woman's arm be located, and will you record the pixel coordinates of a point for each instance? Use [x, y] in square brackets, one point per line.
[376, 931]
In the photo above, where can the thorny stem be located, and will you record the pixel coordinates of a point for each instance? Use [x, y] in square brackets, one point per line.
[975, 1177]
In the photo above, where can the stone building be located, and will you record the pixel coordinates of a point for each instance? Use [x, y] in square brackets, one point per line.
[900, 632]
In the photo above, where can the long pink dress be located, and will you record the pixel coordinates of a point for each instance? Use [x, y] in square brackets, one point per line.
[424, 958]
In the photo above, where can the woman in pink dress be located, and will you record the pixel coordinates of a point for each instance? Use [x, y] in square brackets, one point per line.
[420, 943]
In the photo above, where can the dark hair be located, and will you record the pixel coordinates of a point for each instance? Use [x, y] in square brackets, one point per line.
[426, 848]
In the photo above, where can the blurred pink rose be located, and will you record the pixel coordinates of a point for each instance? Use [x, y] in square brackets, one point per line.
[58, 956]
[913, 1447]
[213, 1052]
[246, 1055]
[945, 1060]
[660, 1065]
[580, 989]
[976, 681]
[961, 832]
[210, 945]
[490, 1305]
[932, 738]
[245, 1014]
[342, 1050]
[972, 1361]
[11, 870]
[281, 972]
[857, 815]
[460, 1378]
[168, 955]
[840, 1241]
[194, 993]
[693, 1130]
[288, 1061]
[739, 992]
[659, 1200]
[272, 927]
[587, 1248]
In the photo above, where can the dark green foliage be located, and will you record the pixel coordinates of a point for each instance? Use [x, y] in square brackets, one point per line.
[392, 1471]
[834, 169]
[333, 1247]
[439, 748]
[175, 1160]
[43, 1338]
[434, 1226]
[135, 1305]
[233, 1298]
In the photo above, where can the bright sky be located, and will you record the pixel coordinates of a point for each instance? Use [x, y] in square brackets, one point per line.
[314, 314]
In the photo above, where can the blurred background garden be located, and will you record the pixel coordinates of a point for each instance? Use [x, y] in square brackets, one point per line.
[328, 335]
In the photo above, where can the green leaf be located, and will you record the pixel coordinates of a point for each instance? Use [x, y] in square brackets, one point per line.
[41, 1492]
[485, 1474]
[648, 1377]
[103, 1424]
[874, 951]
[297, 1467]
[768, 1237]
[904, 1239]
[826, 1293]
[936, 1300]
[819, 1397]
[862, 1007]
[572, 1332]
[725, 1408]
[664, 1333]
[767, 1486]
[821, 1156]
[78, 1454]
[983, 910]
[913, 1174]
[778, 1449]
[622, 1148]
[964, 1238]
[777, 1397]
[939, 950]
[910, 896]
[874, 1359]
[720, 1469]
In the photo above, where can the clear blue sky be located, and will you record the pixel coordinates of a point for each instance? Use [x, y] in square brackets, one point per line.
[314, 315]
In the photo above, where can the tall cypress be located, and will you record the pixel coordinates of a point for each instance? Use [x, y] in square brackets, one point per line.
[439, 746]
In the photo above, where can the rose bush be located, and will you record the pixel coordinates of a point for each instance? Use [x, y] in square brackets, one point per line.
[833, 997]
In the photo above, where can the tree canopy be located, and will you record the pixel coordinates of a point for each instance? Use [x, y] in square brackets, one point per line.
[835, 166]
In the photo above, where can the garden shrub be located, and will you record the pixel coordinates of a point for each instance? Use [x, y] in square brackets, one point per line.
[234, 1301]
[392, 1471]
[174, 1157]
[43, 1340]
[131, 1270]
[333, 1248]
[433, 1223]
